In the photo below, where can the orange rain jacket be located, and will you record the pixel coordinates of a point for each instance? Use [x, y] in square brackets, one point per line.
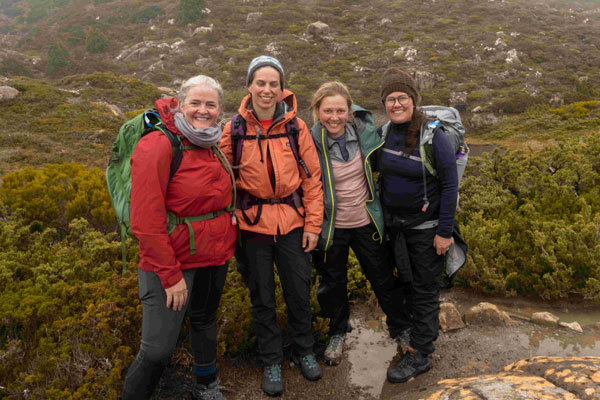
[254, 177]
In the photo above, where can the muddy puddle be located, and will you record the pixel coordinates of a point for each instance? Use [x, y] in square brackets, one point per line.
[370, 351]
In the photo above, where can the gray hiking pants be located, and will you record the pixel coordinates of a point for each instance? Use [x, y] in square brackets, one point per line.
[161, 326]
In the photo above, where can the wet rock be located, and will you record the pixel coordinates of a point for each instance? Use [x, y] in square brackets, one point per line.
[254, 17]
[544, 318]
[487, 314]
[450, 318]
[8, 93]
[574, 326]
[318, 30]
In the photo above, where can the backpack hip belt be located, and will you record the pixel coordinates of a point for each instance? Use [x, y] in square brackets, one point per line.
[173, 220]
[245, 200]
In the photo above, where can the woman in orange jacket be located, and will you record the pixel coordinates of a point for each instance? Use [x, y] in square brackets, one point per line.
[280, 210]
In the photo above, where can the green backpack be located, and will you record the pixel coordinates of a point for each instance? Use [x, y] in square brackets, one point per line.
[118, 174]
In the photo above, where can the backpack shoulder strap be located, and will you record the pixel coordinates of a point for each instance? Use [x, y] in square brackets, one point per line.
[292, 131]
[238, 133]
[153, 122]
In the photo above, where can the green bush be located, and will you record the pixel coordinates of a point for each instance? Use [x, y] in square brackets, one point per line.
[58, 59]
[190, 11]
[95, 41]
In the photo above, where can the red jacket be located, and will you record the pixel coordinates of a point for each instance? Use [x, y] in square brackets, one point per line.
[200, 185]
[254, 174]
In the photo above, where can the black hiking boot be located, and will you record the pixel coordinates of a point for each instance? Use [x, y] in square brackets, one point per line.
[410, 366]
[272, 381]
[309, 366]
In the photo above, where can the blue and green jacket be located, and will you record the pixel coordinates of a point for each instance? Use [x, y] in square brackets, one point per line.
[369, 141]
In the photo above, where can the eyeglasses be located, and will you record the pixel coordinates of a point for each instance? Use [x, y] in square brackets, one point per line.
[403, 100]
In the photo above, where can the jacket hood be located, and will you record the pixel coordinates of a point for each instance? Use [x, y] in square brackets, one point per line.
[286, 107]
[166, 108]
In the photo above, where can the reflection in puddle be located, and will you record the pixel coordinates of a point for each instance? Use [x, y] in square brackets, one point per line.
[561, 343]
[369, 353]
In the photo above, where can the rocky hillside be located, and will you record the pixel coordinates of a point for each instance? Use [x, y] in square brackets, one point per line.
[486, 57]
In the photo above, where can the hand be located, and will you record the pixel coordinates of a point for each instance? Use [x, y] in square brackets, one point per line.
[177, 295]
[309, 241]
[441, 244]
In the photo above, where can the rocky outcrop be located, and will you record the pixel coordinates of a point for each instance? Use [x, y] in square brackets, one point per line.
[458, 100]
[487, 314]
[557, 100]
[8, 93]
[253, 17]
[535, 378]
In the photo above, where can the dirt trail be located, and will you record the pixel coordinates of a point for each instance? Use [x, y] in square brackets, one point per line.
[370, 352]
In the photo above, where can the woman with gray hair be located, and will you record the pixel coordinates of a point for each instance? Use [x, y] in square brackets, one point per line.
[186, 230]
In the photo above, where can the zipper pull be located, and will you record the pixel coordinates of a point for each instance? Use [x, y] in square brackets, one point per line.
[425, 206]
[233, 219]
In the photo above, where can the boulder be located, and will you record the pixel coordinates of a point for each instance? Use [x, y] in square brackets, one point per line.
[167, 90]
[8, 93]
[253, 17]
[217, 50]
[425, 80]
[557, 100]
[203, 29]
[487, 314]
[544, 318]
[408, 52]
[385, 23]
[318, 30]
[511, 57]
[272, 50]
[574, 326]
[450, 318]
[481, 119]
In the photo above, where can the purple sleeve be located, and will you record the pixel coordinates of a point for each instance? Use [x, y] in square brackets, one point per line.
[445, 165]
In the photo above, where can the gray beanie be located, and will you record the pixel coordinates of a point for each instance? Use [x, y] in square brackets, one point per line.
[264, 61]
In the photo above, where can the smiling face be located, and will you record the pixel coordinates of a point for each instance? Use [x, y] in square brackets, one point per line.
[265, 89]
[399, 107]
[333, 115]
[201, 106]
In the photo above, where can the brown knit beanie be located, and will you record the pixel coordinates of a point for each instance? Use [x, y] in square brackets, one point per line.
[395, 80]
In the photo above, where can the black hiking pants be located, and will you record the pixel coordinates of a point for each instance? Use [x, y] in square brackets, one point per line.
[255, 258]
[421, 296]
[372, 255]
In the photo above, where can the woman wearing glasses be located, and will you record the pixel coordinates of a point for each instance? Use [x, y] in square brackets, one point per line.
[419, 211]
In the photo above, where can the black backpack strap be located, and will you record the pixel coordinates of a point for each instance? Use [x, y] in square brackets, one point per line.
[153, 122]
[238, 134]
[291, 128]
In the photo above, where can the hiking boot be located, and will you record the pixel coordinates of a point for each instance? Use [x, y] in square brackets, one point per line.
[272, 382]
[334, 350]
[409, 367]
[207, 392]
[403, 339]
[309, 366]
